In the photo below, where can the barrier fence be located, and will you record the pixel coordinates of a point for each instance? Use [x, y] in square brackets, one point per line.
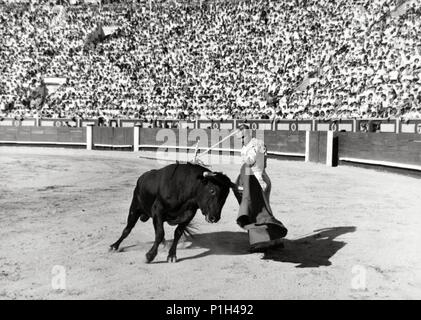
[396, 150]
[112, 137]
[346, 125]
[402, 150]
[43, 135]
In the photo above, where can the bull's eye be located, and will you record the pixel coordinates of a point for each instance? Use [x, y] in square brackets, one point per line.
[212, 191]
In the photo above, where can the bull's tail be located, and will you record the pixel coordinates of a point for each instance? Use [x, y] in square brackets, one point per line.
[136, 205]
[134, 215]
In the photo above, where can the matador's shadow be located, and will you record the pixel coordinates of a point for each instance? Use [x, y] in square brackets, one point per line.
[311, 251]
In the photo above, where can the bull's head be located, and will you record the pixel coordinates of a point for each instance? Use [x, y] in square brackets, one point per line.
[212, 194]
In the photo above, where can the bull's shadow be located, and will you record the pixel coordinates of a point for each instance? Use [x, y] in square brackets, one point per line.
[311, 251]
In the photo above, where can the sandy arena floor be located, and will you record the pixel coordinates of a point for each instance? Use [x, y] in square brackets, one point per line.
[353, 233]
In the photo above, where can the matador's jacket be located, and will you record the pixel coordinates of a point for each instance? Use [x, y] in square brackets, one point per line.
[253, 192]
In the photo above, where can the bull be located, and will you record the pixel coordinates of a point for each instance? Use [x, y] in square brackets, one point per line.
[173, 194]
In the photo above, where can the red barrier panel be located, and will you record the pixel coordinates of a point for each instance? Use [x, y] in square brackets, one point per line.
[376, 125]
[215, 124]
[293, 125]
[147, 124]
[387, 125]
[40, 135]
[187, 124]
[85, 122]
[282, 125]
[58, 123]
[7, 122]
[257, 124]
[173, 141]
[156, 137]
[363, 125]
[8, 133]
[161, 123]
[130, 123]
[278, 143]
[167, 123]
[342, 125]
[285, 143]
[334, 125]
[18, 123]
[410, 126]
[28, 123]
[112, 137]
[391, 149]
[113, 123]
[148, 136]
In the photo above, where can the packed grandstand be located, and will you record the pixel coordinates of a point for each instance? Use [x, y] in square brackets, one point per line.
[219, 59]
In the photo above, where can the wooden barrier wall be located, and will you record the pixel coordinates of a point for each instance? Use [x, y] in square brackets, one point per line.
[285, 143]
[387, 149]
[43, 135]
[112, 137]
[400, 150]
[277, 143]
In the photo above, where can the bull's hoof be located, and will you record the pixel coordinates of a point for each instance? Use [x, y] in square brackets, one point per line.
[172, 259]
[113, 248]
[150, 256]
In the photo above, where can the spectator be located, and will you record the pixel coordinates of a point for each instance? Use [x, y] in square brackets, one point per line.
[224, 61]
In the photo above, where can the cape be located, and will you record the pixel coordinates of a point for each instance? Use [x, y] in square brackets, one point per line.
[254, 203]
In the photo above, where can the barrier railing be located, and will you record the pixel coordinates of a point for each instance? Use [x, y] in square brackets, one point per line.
[128, 123]
[30, 122]
[401, 150]
[258, 124]
[59, 123]
[410, 126]
[335, 125]
[215, 124]
[293, 125]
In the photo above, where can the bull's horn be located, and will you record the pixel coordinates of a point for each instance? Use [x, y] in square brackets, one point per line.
[209, 174]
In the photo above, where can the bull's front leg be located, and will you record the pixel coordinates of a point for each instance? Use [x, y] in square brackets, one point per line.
[172, 257]
[158, 224]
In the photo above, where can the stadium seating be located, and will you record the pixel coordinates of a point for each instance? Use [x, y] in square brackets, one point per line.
[296, 59]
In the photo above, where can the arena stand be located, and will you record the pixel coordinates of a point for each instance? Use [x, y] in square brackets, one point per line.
[213, 60]
[313, 75]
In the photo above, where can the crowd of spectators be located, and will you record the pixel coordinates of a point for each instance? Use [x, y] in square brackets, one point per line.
[185, 59]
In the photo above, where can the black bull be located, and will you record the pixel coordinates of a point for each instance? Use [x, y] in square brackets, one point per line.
[173, 194]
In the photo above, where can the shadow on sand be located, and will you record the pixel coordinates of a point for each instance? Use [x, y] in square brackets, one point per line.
[311, 251]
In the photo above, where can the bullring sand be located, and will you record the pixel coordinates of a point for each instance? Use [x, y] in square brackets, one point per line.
[353, 233]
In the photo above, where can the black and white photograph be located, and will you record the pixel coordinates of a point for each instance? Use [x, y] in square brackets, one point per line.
[210, 150]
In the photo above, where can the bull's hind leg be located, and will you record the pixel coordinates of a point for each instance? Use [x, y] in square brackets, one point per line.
[131, 222]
